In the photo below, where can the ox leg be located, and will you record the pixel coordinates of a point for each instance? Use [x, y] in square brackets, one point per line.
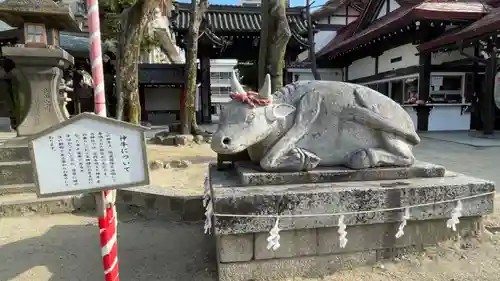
[283, 155]
[396, 152]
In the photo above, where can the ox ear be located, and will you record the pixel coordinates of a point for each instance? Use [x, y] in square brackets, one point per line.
[278, 111]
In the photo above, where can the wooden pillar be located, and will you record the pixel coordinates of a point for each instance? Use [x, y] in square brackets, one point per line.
[487, 101]
[142, 100]
[424, 77]
[77, 107]
[206, 99]
[475, 120]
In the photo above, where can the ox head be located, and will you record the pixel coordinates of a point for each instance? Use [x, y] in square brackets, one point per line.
[248, 118]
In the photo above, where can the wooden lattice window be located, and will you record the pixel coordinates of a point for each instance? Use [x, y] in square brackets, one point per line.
[35, 34]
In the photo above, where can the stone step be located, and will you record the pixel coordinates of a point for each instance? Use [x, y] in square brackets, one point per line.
[16, 188]
[23, 204]
[250, 174]
[14, 153]
[16, 172]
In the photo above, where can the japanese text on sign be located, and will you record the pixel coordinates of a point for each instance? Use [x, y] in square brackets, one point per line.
[90, 157]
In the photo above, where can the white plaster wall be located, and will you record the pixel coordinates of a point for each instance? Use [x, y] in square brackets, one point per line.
[350, 12]
[442, 57]
[382, 10]
[362, 68]
[394, 5]
[161, 99]
[323, 21]
[448, 118]
[351, 19]
[337, 20]
[408, 54]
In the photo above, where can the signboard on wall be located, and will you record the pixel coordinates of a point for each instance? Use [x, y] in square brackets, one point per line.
[436, 82]
[88, 153]
[497, 90]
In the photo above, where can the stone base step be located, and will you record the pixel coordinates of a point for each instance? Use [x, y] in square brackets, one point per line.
[14, 152]
[16, 172]
[16, 188]
[23, 204]
[250, 174]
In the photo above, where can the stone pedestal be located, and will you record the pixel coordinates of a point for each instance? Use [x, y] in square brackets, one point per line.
[39, 70]
[310, 245]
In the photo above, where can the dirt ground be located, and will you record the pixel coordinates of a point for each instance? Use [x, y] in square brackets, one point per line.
[65, 247]
[188, 181]
[453, 261]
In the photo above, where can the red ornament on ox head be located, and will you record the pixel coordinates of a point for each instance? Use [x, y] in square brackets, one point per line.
[263, 97]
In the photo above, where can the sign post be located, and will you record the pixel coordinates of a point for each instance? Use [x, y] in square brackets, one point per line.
[106, 199]
[90, 153]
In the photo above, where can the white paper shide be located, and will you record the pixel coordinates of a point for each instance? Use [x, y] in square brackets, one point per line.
[86, 155]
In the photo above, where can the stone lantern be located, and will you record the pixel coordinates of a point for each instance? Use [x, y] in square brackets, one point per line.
[39, 59]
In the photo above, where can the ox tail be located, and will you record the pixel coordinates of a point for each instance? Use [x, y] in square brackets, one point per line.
[362, 115]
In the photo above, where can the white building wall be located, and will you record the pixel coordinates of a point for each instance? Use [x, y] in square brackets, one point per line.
[361, 68]
[393, 5]
[409, 57]
[442, 57]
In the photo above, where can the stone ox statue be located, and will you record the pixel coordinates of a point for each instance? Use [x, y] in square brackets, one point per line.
[311, 123]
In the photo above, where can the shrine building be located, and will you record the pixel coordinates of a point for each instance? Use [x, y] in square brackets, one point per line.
[426, 55]
[233, 32]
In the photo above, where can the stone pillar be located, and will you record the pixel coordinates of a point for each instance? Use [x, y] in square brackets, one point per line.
[206, 99]
[40, 70]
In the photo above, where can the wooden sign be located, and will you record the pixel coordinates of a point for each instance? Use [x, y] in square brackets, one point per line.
[89, 153]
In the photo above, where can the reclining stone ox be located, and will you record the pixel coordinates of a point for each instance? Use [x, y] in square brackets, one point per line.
[315, 123]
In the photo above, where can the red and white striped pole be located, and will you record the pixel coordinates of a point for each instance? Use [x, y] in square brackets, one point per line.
[107, 216]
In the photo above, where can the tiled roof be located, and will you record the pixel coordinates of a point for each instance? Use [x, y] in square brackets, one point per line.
[485, 26]
[406, 14]
[228, 19]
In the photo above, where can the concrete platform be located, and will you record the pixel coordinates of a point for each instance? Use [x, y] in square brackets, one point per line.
[251, 174]
[470, 138]
[310, 244]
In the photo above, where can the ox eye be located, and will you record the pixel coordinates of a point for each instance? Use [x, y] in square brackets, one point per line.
[250, 117]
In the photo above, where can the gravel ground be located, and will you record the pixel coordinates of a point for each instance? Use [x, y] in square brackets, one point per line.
[65, 247]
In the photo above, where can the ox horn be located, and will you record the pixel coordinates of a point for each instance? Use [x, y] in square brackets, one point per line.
[265, 91]
[235, 85]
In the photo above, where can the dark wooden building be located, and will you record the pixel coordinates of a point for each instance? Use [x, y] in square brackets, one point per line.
[233, 32]
[382, 49]
[482, 36]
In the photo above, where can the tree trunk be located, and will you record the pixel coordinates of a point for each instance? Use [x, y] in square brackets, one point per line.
[188, 118]
[134, 22]
[274, 37]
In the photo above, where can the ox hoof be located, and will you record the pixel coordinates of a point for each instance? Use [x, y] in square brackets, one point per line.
[360, 160]
[303, 158]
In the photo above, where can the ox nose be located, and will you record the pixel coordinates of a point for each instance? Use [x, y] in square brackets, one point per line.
[226, 141]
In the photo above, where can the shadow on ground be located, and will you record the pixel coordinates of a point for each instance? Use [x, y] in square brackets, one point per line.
[148, 250]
